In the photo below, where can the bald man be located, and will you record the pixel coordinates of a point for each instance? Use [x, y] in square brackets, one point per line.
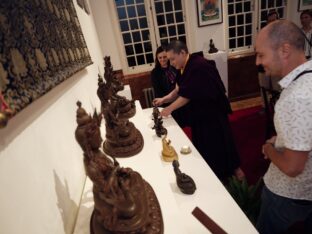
[287, 194]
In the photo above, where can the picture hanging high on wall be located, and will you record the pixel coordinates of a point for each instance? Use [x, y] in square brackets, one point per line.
[304, 5]
[41, 45]
[209, 12]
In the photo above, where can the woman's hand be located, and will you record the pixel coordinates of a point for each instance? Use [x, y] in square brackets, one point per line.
[158, 101]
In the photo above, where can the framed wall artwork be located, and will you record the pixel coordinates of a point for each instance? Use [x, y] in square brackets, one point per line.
[209, 12]
[41, 45]
[304, 5]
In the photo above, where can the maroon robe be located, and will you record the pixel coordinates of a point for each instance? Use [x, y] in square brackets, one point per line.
[209, 109]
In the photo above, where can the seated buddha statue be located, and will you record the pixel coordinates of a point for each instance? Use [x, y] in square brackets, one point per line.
[123, 201]
[168, 153]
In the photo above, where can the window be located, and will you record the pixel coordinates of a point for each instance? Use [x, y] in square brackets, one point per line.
[146, 24]
[243, 23]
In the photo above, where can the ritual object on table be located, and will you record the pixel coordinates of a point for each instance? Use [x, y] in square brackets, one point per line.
[168, 152]
[212, 48]
[113, 85]
[185, 183]
[158, 123]
[123, 201]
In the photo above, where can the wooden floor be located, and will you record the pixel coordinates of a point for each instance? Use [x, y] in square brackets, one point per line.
[251, 102]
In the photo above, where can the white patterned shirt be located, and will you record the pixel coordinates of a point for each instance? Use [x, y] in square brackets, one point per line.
[293, 124]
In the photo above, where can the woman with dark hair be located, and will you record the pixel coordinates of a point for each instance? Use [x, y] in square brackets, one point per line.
[163, 79]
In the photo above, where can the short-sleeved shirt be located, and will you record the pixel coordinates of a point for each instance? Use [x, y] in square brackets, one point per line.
[293, 123]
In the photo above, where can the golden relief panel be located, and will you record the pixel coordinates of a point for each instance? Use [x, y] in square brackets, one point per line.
[41, 45]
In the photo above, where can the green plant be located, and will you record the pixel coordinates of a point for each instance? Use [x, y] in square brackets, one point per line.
[246, 196]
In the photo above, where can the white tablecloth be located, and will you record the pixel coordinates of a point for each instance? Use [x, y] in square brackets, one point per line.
[176, 207]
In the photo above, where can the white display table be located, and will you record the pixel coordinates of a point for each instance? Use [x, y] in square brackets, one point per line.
[221, 61]
[176, 207]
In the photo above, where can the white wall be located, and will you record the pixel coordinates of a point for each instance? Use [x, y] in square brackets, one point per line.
[41, 169]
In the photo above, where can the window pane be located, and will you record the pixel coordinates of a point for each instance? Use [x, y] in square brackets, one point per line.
[163, 32]
[160, 20]
[128, 2]
[124, 25]
[248, 29]
[270, 4]
[147, 47]
[149, 58]
[164, 42]
[172, 31]
[126, 38]
[159, 7]
[177, 5]
[232, 32]
[143, 22]
[145, 35]
[230, 9]
[240, 31]
[247, 6]
[240, 42]
[230, 1]
[248, 18]
[232, 21]
[264, 15]
[136, 36]
[131, 61]
[139, 1]
[134, 24]
[138, 48]
[129, 50]
[263, 4]
[169, 18]
[131, 11]
[121, 13]
[239, 7]
[240, 19]
[140, 59]
[141, 10]
[181, 29]
[280, 12]
[232, 43]
[119, 2]
[182, 38]
[168, 6]
[279, 3]
[179, 17]
[248, 41]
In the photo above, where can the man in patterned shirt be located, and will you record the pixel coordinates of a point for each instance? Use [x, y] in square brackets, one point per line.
[287, 194]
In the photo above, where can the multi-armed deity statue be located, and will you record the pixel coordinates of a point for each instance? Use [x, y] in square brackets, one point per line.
[123, 201]
[123, 139]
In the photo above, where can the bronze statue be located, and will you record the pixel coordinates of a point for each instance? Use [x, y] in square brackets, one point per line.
[212, 48]
[185, 183]
[168, 153]
[123, 201]
[158, 123]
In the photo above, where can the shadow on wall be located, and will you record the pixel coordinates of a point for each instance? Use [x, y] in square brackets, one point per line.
[67, 207]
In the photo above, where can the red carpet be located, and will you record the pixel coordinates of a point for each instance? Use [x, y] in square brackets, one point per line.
[248, 127]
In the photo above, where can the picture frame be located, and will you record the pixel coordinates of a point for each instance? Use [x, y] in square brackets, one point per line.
[209, 12]
[304, 5]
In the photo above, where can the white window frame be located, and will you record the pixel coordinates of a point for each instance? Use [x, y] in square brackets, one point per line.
[154, 34]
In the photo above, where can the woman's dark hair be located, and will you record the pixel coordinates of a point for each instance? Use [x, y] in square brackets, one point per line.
[306, 12]
[158, 51]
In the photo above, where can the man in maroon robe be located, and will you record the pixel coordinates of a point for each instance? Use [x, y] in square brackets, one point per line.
[200, 85]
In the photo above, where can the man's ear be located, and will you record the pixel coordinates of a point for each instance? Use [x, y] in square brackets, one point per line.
[285, 50]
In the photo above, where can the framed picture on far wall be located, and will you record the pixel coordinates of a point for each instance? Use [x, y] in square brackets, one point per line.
[304, 5]
[209, 12]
